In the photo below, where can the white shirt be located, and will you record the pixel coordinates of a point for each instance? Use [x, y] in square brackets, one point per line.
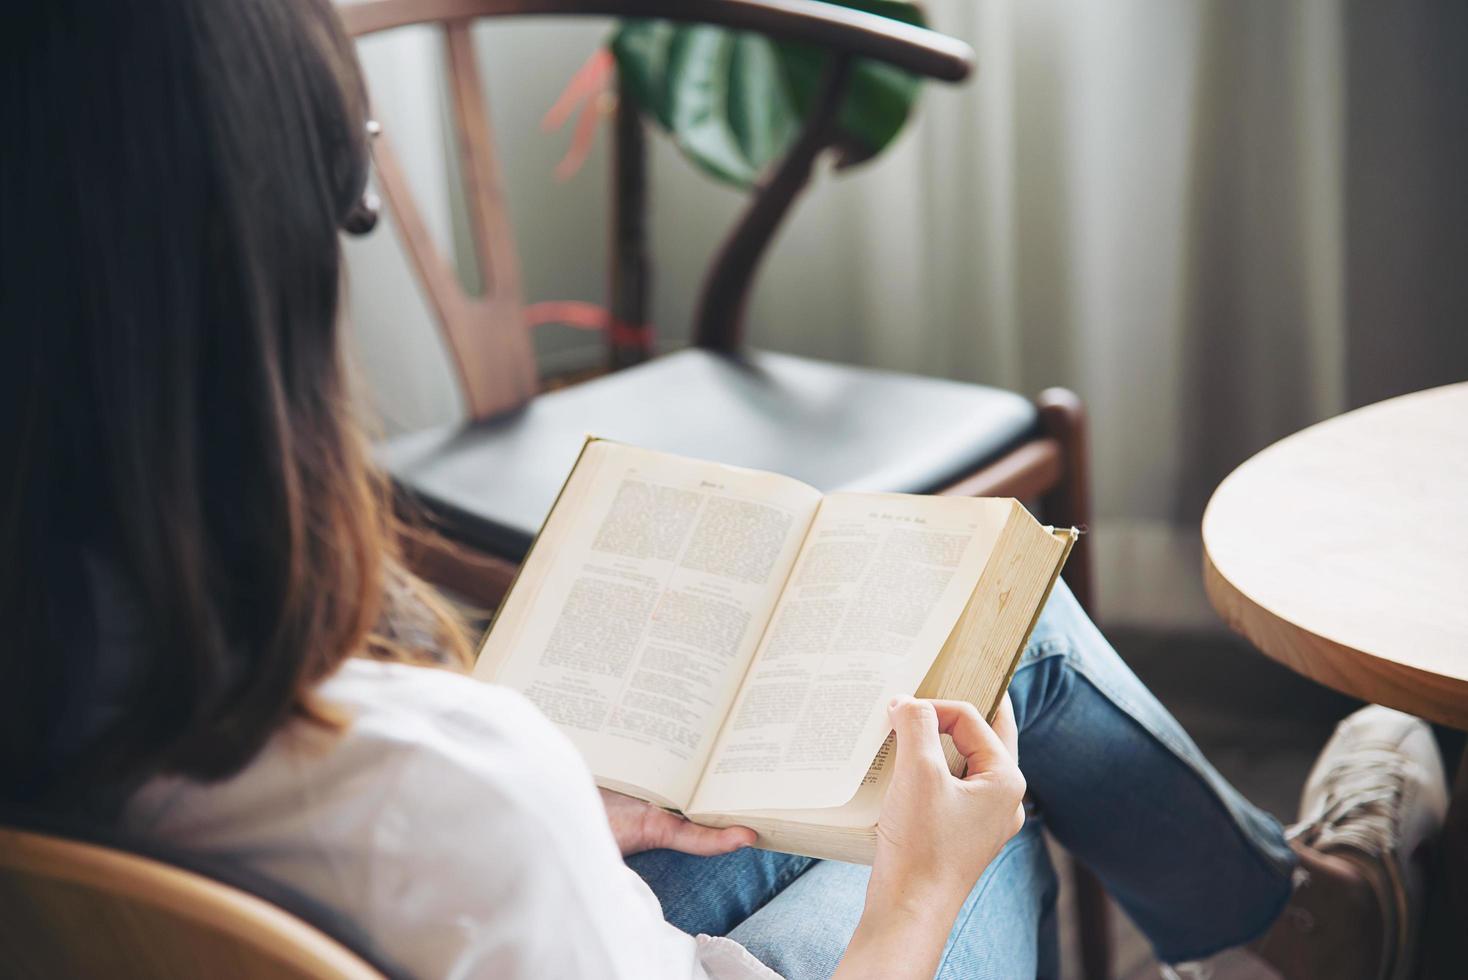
[454, 824]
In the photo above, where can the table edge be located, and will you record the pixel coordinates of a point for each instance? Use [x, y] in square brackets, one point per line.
[1358, 673]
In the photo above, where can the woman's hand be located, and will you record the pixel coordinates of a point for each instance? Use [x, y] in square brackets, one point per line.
[936, 833]
[640, 826]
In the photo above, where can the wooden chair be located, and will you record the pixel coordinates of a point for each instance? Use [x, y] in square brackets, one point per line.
[71, 908]
[488, 484]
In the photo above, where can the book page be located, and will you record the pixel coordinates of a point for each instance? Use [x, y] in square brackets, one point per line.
[641, 605]
[975, 665]
[875, 593]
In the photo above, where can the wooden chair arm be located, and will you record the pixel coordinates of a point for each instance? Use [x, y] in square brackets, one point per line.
[853, 32]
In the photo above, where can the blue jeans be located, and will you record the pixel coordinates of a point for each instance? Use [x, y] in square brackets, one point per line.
[1113, 777]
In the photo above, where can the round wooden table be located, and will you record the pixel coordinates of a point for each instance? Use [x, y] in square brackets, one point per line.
[1342, 552]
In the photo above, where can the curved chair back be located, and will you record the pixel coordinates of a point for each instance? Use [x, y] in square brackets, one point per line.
[485, 334]
[74, 909]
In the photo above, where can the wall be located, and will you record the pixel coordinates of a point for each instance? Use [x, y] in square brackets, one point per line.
[1217, 221]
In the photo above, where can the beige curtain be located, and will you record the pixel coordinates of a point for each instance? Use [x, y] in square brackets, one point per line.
[1218, 221]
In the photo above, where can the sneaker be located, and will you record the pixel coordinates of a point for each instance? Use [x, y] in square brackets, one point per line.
[1377, 796]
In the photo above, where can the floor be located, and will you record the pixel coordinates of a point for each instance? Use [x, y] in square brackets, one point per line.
[1260, 724]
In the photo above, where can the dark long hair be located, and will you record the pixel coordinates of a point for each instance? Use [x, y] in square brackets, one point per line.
[173, 400]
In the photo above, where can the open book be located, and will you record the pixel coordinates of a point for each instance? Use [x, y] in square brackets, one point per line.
[724, 642]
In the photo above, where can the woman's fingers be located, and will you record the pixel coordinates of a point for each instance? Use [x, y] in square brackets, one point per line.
[919, 722]
[639, 826]
[1006, 727]
[664, 829]
[982, 746]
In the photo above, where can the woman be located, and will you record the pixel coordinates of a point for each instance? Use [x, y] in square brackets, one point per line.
[212, 640]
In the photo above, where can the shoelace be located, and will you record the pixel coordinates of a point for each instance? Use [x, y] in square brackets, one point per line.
[1358, 805]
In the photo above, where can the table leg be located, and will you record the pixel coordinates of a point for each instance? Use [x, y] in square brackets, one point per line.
[1445, 937]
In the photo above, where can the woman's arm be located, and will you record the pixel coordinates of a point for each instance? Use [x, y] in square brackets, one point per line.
[935, 836]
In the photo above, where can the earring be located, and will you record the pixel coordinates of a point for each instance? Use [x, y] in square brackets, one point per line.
[363, 216]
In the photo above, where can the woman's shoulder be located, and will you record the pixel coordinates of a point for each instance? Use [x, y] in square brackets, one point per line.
[371, 688]
[395, 726]
[442, 719]
[374, 691]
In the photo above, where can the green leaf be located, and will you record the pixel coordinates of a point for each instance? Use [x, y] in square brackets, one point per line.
[734, 102]
[762, 112]
[730, 111]
[641, 50]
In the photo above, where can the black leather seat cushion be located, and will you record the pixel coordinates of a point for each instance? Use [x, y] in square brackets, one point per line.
[835, 427]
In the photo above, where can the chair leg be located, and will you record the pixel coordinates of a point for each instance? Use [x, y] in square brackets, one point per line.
[1093, 917]
[1063, 417]
[1069, 502]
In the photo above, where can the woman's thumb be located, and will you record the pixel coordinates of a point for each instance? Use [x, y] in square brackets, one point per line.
[916, 725]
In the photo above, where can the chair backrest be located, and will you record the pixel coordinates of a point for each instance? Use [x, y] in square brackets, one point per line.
[75, 909]
[485, 334]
